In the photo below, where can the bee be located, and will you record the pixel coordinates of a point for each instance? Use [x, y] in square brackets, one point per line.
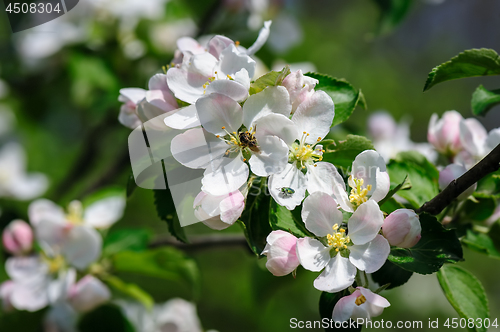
[286, 191]
[248, 140]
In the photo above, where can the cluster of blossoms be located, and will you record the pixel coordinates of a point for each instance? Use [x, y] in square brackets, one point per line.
[68, 247]
[237, 132]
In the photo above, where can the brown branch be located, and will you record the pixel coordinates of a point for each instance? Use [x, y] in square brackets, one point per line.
[487, 165]
[203, 242]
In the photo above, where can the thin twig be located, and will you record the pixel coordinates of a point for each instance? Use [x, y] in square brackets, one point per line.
[487, 165]
[203, 242]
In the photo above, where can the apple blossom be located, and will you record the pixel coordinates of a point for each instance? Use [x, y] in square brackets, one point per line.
[281, 253]
[131, 97]
[402, 228]
[299, 87]
[219, 212]
[87, 294]
[476, 142]
[14, 181]
[17, 237]
[444, 134]
[363, 303]
[342, 250]
[453, 172]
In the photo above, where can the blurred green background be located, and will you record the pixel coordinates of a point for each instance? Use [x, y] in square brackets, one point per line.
[66, 108]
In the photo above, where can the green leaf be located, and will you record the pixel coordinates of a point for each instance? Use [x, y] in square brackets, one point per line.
[283, 219]
[166, 211]
[405, 185]
[131, 290]
[436, 247]
[273, 78]
[469, 63]
[465, 293]
[165, 263]
[136, 239]
[482, 243]
[344, 95]
[343, 153]
[418, 159]
[424, 186]
[391, 274]
[483, 100]
[255, 219]
[327, 302]
[481, 208]
[106, 318]
[494, 234]
[392, 13]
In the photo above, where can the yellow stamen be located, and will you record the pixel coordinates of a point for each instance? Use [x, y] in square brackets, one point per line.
[360, 300]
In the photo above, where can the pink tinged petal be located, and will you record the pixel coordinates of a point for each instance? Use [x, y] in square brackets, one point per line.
[473, 136]
[299, 87]
[231, 207]
[324, 177]
[196, 148]
[105, 212]
[370, 256]
[365, 222]
[290, 177]
[224, 176]
[183, 118]
[320, 213]
[374, 304]
[261, 39]
[344, 307]
[128, 117]
[315, 116]
[216, 111]
[162, 100]
[82, 246]
[338, 275]
[17, 237]
[232, 61]
[445, 134]
[32, 295]
[271, 100]
[52, 235]
[281, 255]
[217, 44]
[189, 44]
[382, 126]
[229, 88]
[24, 269]
[402, 228]
[135, 95]
[147, 111]
[276, 125]
[88, 294]
[186, 85]
[214, 223]
[312, 254]
[272, 157]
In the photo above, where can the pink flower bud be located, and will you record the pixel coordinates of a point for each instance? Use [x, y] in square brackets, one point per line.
[444, 134]
[18, 237]
[299, 87]
[402, 228]
[281, 253]
[88, 293]
[452, 172]
[381, 125]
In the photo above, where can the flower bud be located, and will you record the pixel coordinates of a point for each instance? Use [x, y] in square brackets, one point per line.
[381, 125]
[402, 228]
[452, 172]
[88, 293]
[299, 87]
[281, 253]
[444, 134]
[18, 237]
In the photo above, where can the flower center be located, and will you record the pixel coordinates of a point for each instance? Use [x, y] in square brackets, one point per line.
[242, 140]
[75, 213]
[360, 300]
[338, 239]
[54, 263]
[306, 154]
[358, 192]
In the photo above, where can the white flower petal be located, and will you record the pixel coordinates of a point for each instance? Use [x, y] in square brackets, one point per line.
[365, 222]
[25, 269]
[216, 111]
[370, 256]
[232, 61]
[88, 293]
[135, 95]
[276, 125]
[186, 85]
[43, 209]
[261, 39]
[273, 99]
[225, 176]
[230, 88]
[217, 44]
[31, 296]
[473, 136]
[82, 246]
[231, 207]
[338, 275]
[366, 166]
[105, 212]
[183, 118]
[344, 307]
[291, 177]
[312, 254]
[320, 213]
[272, 158]
[324, 177]
[314, 116]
